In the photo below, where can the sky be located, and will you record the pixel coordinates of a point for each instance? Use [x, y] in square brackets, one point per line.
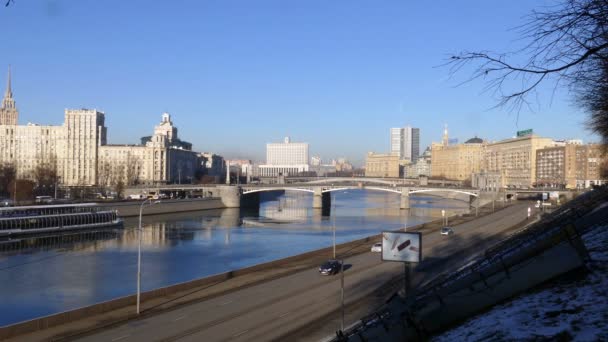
[236, 75]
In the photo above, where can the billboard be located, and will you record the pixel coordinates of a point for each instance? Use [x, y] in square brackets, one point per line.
[402, 246]
[524, 133]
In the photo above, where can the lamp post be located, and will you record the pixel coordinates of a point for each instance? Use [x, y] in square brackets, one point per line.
[341, 269]
[56, 181]
[139, 231]
[334, 215]
[342, 293]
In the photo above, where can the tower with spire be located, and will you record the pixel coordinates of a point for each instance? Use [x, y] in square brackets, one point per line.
[445, 139]
[8, 110]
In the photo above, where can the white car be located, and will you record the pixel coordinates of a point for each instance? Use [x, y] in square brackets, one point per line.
[377, 248]
[447, 231]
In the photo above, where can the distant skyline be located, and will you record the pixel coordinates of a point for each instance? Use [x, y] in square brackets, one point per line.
[236, 75]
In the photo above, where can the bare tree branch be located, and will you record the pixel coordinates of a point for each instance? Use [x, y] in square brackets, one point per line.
[567, 43]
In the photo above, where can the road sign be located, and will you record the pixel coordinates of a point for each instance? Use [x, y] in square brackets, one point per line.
[524, 133]
[402, 246]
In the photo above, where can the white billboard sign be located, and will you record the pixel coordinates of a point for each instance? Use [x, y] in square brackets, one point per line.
[402, 246]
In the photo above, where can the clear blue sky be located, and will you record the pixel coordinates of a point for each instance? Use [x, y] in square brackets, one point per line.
[238, 74]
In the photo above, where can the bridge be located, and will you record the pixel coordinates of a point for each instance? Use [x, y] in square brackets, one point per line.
[402, 181]
[247, 195]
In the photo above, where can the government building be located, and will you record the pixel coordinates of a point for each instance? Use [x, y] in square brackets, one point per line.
[79, 154]
[285, 159]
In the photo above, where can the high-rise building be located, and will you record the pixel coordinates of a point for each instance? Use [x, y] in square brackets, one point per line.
[8, 110]
[405, 143]
[286, 159]
[397, 142]
[78, 153]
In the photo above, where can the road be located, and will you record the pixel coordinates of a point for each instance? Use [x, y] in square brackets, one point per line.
[276, 308]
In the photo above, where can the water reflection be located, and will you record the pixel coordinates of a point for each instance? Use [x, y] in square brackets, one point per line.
[57, 273]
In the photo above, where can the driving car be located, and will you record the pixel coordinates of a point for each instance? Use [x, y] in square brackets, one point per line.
[6, 202]
[447, 231]
[330, 267]
[377, 247]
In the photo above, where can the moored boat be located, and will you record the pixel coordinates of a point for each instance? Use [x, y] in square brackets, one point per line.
[15, 221]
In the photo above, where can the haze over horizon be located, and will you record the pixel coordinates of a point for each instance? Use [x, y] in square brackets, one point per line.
[236, 75]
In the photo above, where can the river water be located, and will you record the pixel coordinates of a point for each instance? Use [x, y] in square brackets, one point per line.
[47, 275]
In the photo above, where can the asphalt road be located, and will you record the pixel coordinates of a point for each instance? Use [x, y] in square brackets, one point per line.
[276, 308]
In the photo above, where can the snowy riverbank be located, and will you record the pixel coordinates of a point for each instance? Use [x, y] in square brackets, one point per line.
[574, 307]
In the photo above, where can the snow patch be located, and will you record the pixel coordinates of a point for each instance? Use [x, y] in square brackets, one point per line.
[574, 309]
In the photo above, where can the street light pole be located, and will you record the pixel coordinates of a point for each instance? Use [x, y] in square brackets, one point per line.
[342, 293]
[334, 215]
[139, 231]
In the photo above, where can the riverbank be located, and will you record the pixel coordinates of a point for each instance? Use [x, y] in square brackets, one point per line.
[120, 310]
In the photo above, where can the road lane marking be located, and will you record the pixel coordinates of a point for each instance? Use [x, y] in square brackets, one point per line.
[241, 333]
[226, 303]
[285, 314]
[121, 337]
[180, 317]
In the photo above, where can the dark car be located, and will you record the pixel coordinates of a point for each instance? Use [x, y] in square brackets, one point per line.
[330, 267]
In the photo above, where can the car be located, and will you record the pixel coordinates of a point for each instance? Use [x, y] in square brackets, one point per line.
[330, 267]
[6, 202]
[447, 231]
[377, 247]
[136, 197]
[44, 199]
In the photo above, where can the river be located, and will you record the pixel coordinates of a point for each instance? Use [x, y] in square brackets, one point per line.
[43, 276]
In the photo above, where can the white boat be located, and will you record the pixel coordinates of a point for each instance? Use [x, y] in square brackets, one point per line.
[16, 221]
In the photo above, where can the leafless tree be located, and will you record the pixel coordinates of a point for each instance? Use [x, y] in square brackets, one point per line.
[132, 167]
[103, 173]
[8, 174]
[45, 175]
[117, 173]
[567, 45]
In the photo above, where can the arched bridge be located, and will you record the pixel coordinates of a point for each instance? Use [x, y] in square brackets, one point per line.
[321, 193]
[234, 196]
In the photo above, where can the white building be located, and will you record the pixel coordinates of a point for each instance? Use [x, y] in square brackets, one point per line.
[405, 142]
[71, 150]
[286, 159]
[78, 152]
[162, 159]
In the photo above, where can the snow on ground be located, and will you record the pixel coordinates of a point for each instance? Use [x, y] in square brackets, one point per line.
[574, 307]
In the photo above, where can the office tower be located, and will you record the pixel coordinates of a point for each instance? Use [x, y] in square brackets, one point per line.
[405, 142]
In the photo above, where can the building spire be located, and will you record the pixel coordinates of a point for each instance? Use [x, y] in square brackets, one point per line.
[9, 91]
[445, 135]
[8, 108]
